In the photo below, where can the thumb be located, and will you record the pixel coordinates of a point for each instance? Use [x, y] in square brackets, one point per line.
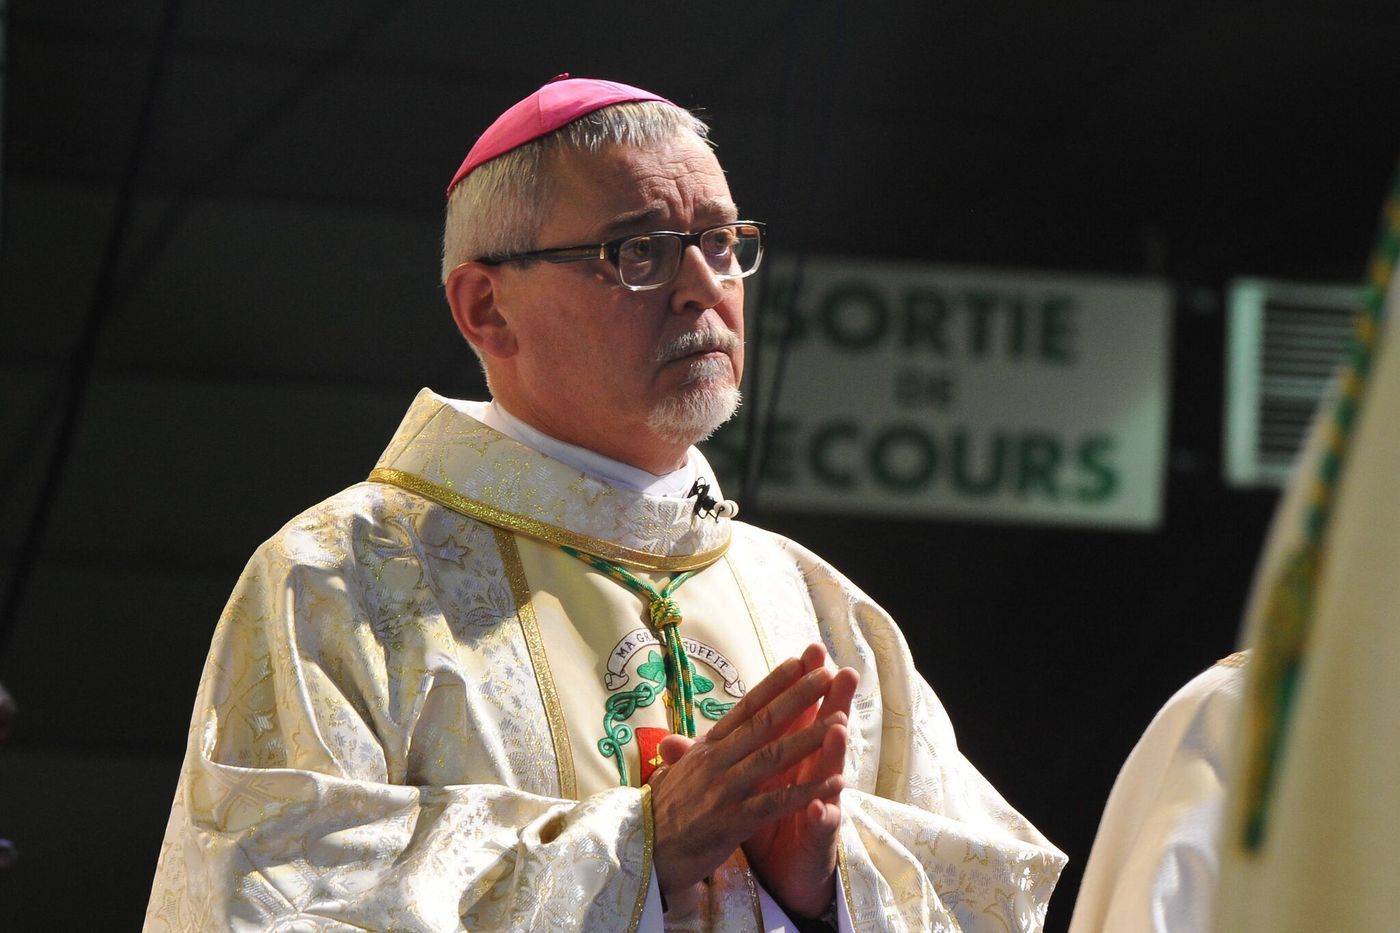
[673, 747]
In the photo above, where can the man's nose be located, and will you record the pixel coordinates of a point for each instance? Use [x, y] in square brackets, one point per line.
[697, 288]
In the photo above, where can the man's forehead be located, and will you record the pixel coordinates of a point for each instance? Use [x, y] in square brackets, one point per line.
[631, 188]
[659, 214]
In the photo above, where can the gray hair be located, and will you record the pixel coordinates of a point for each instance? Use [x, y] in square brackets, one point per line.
[498, 208]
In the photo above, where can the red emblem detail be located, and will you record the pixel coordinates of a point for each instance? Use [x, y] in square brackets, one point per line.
[648, 738]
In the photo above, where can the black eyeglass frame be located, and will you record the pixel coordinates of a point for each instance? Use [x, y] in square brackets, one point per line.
[612, 250]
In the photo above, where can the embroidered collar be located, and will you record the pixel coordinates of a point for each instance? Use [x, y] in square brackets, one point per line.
[459, 462]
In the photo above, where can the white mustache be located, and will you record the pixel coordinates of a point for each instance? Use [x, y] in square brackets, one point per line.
[698, 341]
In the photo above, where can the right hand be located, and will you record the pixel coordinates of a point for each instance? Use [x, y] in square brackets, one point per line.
[708, 798]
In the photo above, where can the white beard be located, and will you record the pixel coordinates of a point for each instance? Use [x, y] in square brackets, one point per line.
[706, 400]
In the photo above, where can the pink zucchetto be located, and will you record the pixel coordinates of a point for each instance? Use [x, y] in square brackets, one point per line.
[562, 100]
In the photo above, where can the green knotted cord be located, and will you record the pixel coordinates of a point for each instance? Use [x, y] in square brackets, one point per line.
[665, 617]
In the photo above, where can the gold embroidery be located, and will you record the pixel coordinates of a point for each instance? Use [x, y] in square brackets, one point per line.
[525, 610]
[843, 875]
[753, 616]
[648, 837]
[543, 531]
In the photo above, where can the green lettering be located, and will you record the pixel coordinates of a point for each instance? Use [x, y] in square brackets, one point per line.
[775, 322]
[925, 320]
[1102, 478]
[903, 458]
[862, 329]
[980, 306]
[821, 463]
[963, 479]
[914, 388]
[1016, 327]
[1057, 329]
[1040, 457]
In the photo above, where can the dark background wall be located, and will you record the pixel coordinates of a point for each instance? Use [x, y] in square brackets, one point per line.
[273, 306]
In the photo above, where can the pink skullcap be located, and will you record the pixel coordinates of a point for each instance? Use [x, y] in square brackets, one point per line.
[563, 100]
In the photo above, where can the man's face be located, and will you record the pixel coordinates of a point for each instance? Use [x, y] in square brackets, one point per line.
[617, 371]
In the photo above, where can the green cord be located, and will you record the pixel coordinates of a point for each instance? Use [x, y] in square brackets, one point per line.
[665, 618]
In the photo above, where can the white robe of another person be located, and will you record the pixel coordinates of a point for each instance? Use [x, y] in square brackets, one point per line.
[1329, 859]
[1155, 861]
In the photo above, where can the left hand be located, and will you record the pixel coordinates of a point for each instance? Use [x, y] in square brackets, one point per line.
[795, 855]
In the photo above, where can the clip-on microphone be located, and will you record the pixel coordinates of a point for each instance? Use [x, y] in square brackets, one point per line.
[706, 506]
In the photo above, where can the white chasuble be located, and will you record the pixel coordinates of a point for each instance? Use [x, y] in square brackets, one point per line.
[420, 713]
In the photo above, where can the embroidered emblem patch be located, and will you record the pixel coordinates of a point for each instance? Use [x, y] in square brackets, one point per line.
[651, 683]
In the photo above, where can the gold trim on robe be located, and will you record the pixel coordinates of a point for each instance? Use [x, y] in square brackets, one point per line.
[549, 694]
[648, 844]
[753, 616]
[540, 530]
[458, 462]
[843, 877]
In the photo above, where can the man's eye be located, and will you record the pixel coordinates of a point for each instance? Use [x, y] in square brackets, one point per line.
[720, 242]
[639, 249]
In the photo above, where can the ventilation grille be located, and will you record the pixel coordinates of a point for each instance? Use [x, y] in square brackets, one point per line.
[1286, 343]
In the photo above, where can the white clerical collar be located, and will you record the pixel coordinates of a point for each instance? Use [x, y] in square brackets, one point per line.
[676, 484]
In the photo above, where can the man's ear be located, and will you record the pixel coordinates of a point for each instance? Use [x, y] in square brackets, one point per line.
[473, 293]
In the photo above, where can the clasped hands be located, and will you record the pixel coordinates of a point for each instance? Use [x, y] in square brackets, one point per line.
[767, 777]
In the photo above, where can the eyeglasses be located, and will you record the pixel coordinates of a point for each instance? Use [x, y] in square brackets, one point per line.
[650, 260]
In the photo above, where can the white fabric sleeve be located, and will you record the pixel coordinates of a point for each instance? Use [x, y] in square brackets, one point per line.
[1155, 863]
[313, 794]
[926, 838]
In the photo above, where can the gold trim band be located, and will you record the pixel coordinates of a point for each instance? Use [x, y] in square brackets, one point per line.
[753, 615]
[648, 842]
[549, 696]
[534, 528]
[843, 876]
